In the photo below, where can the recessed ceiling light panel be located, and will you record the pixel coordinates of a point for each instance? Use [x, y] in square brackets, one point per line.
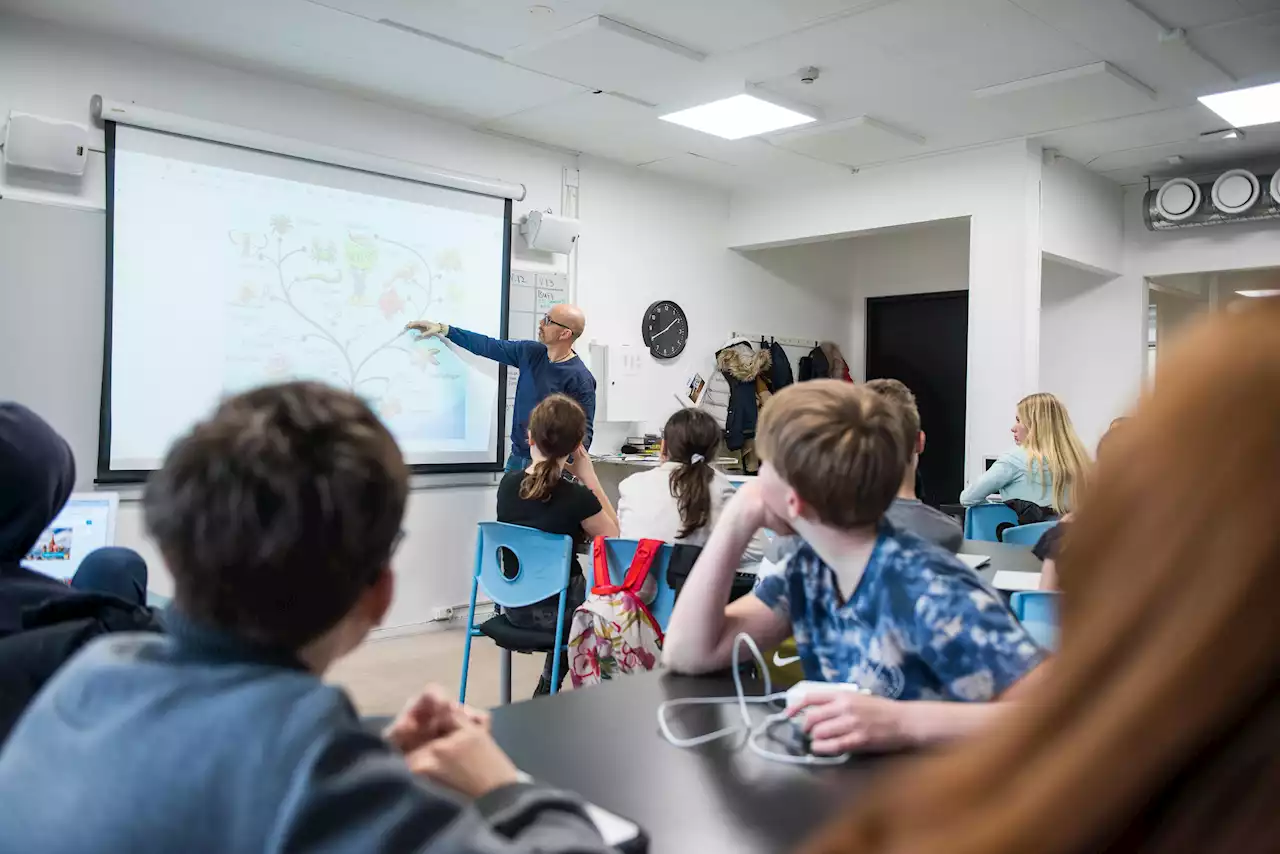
[1244, 108]
[1178, 199]
[739, 116]
[1235, 191]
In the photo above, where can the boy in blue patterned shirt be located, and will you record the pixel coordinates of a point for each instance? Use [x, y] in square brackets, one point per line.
[867, 603]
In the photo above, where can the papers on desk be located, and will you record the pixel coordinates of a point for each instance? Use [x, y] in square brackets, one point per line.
[1009, 580]
[974, 561]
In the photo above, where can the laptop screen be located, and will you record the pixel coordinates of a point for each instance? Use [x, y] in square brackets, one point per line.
[87, 522]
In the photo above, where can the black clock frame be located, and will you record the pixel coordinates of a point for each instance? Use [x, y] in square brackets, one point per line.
[647, 334]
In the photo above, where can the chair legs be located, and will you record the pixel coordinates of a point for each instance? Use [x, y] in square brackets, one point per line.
[466, 665]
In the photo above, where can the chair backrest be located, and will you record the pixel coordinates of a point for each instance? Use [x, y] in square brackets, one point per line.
[980, 521]
[620, 553]
[543, 563]
[1037, 610]
[1026, 535]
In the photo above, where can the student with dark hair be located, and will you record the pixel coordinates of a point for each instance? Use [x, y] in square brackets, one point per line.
[907, 511]
[542, 497]
[681, 499]
[278, 517]
[867, 603]
[43, 621]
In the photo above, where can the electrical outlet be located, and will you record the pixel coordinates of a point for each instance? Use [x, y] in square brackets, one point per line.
[442, 615]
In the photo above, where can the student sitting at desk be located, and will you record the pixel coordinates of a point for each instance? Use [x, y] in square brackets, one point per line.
[1158, 729]
[542, 497]
[278, 517]
[681, 500]
[907, 511]
[1048, 466]
[868, 603]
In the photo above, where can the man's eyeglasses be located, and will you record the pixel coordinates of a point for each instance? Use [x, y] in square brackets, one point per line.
[546, 318]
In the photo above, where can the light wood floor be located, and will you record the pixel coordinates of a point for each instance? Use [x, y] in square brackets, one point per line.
[382, 674]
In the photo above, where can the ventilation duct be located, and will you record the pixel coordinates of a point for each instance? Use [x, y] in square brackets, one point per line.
[1237, 195]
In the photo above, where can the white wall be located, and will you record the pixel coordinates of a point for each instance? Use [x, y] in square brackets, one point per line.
[1083, 217]
[1092, 344]
[644, 238]
[997, 188]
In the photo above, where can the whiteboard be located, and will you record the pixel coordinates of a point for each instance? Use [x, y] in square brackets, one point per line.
[533, 294]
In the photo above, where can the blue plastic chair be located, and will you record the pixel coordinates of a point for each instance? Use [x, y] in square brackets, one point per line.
[619, 554]
[1027, 535]
[545, 565]
[980, 521]
[1037, 610]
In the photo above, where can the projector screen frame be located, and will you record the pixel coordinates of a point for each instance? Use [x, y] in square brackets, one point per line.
[108, 476]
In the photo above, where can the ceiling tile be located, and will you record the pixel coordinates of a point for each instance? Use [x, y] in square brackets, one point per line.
[1259, 5]
[1087, 142]
[974, 43]
[1250, 48]
[854, 142]
[603, 125]
[495, 26]
[303, 40]
[715, 26]
[601, 53]
[1075, 96]
[1200, 155]
[1193, 13]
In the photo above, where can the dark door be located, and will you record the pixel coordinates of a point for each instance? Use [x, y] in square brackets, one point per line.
[922, 340]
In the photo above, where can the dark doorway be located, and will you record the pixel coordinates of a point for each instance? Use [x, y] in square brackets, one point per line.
[923, 340]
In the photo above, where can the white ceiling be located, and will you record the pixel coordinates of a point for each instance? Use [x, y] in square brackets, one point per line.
[898, 78]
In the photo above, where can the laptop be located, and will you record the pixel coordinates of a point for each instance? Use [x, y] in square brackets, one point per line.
[87, 522]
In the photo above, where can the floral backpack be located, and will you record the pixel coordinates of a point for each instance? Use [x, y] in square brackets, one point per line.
[613, 632]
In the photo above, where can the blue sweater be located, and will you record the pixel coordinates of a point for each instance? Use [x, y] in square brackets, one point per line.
[539, 377]
[200, 741]
[1011, 475]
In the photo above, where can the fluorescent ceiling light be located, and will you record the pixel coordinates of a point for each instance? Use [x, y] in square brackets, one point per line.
[738, 117]
[1266, 292]
[1247, 107]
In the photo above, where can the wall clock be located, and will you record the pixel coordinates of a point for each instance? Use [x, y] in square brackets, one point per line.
[665, 329]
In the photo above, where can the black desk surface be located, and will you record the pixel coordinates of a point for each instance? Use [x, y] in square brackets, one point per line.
[1004, 556]
[603, 742]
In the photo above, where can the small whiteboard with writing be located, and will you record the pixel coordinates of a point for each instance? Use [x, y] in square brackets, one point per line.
[532, 295]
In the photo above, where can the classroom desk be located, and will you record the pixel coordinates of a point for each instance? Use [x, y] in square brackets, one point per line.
[603, 742]
[1004, 556]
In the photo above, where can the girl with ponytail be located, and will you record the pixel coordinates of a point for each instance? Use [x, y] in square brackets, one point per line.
[542, 497]
[680, 500]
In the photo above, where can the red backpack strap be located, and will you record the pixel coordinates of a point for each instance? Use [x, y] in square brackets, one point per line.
[600, 560]
[640, 563]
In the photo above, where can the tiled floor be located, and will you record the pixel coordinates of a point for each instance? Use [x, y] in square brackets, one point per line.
[382, 674]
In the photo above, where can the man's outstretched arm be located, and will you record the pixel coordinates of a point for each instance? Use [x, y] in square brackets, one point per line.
[509, 353]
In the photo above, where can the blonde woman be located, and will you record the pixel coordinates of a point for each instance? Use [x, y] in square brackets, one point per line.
[1048, 465]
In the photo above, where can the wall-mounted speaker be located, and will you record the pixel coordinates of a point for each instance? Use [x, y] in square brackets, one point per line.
[49, 145]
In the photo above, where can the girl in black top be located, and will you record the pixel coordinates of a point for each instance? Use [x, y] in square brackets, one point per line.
[543, 497]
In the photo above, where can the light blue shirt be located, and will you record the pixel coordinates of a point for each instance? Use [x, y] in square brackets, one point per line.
[1012, 477]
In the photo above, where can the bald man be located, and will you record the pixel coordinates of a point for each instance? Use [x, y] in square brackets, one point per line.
[547, 366]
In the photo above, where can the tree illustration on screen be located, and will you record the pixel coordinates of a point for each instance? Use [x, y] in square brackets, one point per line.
[407, 294]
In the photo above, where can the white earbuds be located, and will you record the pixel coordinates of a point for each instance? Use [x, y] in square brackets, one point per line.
[753, 732]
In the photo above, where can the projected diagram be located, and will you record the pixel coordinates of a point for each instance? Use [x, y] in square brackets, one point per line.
[329, 301]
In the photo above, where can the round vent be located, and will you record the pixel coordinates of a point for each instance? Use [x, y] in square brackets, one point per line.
[1235, 191]
[1275, 187]
[1178, 199]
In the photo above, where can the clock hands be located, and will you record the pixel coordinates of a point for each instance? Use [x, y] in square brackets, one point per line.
[669, 325]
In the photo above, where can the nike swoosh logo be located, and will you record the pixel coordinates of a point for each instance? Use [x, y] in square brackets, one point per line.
[779, 661]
